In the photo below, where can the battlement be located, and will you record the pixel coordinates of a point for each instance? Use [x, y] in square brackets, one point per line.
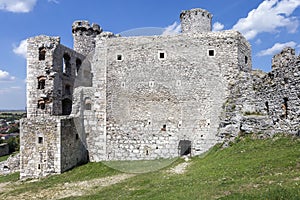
[195, 20]
[84, 36]
[84, 26]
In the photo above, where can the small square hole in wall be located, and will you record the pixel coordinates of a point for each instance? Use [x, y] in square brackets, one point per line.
[161, 55]
[119, 57]
[40, 140]
[211, 52]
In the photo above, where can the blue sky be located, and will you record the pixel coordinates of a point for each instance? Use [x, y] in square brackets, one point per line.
[269, 26]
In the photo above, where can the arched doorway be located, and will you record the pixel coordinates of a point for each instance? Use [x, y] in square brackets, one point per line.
[185, 147]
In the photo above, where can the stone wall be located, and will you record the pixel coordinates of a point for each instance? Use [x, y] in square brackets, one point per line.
[49, 145]
[51, 72]
[171, 88]
[278, 93]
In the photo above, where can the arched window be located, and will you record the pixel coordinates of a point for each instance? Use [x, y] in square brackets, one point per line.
[41, 104]
[78, 65]
[41, 82]
[66, 64]
[42, 53]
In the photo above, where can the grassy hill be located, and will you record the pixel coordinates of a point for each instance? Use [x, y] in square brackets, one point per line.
[248, 169]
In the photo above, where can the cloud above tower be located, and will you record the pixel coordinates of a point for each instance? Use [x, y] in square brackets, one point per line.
[17, 6]
[268, 17]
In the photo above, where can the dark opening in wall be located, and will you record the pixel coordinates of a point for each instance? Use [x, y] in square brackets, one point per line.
[164, 128]
[66, 64]
[40, 140]
[246, 59]
[78, 64]
[267, 106]
[119, 57]
[41, 104]
[66, 107]
[42, 53]
[285, 107]
[161, 55]
[39, 166]
[41, 82]
[77, 136]
[211, 52]
[185, 147]
[67, 89]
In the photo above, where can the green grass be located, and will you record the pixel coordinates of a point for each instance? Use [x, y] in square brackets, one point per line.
[142, 166]
[248, 169]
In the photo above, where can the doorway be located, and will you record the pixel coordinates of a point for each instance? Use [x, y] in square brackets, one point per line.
[185, 147]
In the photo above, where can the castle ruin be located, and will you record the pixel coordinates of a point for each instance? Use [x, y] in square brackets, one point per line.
[148, 97]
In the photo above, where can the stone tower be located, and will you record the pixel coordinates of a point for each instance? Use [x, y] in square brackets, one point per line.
[84, 36]
[195, 20]
[42, 76]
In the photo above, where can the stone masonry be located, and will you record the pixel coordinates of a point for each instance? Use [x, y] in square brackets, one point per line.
[145, 98]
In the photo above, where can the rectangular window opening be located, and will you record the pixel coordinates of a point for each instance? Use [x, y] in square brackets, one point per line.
[161, 55]
[211, 52]
[40, 140]
[119, 57]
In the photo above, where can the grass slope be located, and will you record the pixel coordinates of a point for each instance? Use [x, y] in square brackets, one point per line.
[248, 169]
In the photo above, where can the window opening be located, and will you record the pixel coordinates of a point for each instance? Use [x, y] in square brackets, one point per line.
[68, 90]
[41, 82]
[41, 104]
[42, 53]
[66, 107]
[164, 128]
[119, 57]
[246, 59]
[40, 140]
[66, 64]
[211, 52]
[161, 55]
[78, 65]
[267, 106]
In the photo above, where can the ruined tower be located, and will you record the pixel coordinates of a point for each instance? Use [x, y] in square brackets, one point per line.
[84, 36]
[195, 20]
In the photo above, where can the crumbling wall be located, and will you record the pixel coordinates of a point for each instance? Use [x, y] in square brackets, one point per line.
[51, 72]
[277, 94]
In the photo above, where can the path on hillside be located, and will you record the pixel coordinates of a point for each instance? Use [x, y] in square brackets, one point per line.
[65, 190]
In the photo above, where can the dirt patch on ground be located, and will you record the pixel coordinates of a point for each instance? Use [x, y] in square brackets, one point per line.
[70, 189]
[181, 168]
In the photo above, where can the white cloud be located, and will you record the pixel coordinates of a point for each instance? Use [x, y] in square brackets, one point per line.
[218, 26]
[5, 76]
[276, 48]
[21, 49]
[17, 6]
[173, 29]
[268, 17]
